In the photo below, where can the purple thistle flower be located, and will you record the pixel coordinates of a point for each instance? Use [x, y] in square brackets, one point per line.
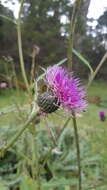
[102, 115]
[66, 88]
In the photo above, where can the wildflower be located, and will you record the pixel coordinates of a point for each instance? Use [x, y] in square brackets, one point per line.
[66, 88]
[3, 85]
[102, 115]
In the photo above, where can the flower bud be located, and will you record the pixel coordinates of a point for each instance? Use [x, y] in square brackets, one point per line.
[48, 102]
[102, 116]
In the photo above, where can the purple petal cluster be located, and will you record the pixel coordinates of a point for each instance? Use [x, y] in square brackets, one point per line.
[66, 88]
[102, 115]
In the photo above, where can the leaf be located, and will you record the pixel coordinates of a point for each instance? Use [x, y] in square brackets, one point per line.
[60, 182]
[7, 109]
[91, 160]
[8, 18]
[28, 183]
[13, 181]
[61, 62]
[83, 59]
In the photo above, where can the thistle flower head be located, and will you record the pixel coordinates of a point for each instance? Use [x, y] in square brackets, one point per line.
[66, 88]
[102, 115]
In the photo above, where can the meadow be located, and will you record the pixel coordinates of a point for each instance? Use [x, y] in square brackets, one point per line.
[55, 133]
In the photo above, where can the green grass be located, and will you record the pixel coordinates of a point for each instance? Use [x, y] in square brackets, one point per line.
[9, 97]
[87, 121]
[9, 100]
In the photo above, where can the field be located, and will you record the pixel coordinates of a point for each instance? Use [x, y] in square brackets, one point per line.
[93, 141]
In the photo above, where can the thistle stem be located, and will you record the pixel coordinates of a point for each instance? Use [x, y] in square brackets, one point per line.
[78, 152]
[19, 38]
[72, 32]
[93, 75]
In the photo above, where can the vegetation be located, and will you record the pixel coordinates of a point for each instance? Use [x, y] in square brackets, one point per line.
[92, 139]
[57, 151]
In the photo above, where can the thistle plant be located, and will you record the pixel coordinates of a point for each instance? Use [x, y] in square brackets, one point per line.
[64, 91]
[102, 116]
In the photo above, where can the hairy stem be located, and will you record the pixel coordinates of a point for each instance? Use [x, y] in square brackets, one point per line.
[78, 151]
[20, 49]
[72, 33]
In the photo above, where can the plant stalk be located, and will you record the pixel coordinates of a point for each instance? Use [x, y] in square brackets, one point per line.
[93, 75]
[78, 151]
[72, 33]
[20, 48]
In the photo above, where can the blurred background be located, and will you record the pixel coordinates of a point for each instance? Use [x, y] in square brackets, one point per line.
[45, 27]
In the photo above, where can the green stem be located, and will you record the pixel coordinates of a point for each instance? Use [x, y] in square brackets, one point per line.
[23, 127]
[72, 33]
[20, 48]
[97, 69]
[65, 124]
[78, 151]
